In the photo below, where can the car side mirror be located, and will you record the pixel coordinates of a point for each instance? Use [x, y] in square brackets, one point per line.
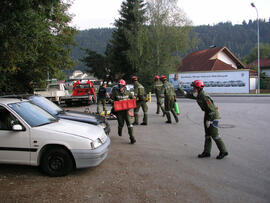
[17, 127]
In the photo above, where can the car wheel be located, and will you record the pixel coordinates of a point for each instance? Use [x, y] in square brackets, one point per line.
[56, 162]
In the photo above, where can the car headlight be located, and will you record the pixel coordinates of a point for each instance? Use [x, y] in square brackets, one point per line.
[96, 143]
[103, 138]
[103, 125]
[99, 141]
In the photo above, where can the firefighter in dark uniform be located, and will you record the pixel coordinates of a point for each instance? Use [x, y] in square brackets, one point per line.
[139, 93]
[211, 119]
[170, 97]
[157, 89]
[102, 95]
[120, 93]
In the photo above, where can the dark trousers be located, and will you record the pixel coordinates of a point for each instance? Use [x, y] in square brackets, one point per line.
[212, 133]
[122, 117]
[144, 106]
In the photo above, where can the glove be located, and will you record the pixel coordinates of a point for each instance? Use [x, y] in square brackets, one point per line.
[207, 124]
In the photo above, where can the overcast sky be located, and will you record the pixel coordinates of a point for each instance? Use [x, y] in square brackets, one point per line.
[102, 13]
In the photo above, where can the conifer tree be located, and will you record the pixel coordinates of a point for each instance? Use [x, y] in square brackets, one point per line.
[128, 28]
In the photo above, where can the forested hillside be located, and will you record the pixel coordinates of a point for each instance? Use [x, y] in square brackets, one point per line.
[93, 39]
[240, 39]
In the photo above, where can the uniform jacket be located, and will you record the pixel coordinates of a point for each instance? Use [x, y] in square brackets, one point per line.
[117, 95]
[158, 87]
[139, 91]
[205, 102]
[102, 92]
[168, 91]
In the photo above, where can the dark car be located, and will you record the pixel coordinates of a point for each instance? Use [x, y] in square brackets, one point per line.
[58, 112]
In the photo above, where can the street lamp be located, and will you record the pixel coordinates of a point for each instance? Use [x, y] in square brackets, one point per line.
[258, 34]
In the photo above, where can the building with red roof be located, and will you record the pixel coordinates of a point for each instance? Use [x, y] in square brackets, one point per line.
[264, 65]
[216, 58]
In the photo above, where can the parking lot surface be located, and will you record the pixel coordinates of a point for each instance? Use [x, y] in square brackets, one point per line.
[163, 166]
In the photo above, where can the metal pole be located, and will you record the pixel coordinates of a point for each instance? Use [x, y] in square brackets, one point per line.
[258, 35]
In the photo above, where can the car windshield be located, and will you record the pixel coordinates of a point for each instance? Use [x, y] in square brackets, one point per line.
[46, 104]
[32, 114]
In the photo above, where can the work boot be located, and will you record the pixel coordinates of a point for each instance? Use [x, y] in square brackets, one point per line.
[120, 131]
[145, 118]
[131, 136]
[168, 117]
[143, 123]
[132, 141]
[157, 111]
[204, 155]
[222, 155]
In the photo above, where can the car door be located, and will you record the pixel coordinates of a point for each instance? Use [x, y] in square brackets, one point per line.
[14, 145]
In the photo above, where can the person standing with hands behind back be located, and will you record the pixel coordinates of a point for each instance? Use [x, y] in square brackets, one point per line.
[211, 119]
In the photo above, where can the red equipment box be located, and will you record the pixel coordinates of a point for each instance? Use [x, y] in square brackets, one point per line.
[124, 104]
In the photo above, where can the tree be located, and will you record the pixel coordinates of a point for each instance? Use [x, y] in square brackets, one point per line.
[264, 53]
[253, 57]
[98, 64]
[167, 37]
[34, 39]
[124, 44]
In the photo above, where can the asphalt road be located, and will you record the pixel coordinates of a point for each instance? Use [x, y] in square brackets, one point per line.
[163, 166]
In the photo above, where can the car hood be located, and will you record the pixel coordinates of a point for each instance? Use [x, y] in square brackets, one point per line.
[80, 116]
[74, 128]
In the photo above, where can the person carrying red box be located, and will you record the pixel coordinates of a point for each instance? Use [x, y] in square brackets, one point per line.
[118, 94]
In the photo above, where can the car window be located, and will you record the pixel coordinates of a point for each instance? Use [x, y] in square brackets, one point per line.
[54, 86]
[46, 104]
[7, 120]
[83, 86]
[32, 114]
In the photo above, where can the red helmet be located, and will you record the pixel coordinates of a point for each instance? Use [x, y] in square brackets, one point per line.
[122, 82]
[156, 77]
[163, 77]
[198, 84]
[134, 78]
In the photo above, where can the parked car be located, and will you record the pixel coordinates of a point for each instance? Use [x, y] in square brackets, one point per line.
[128, 87]
[219, 84]
[226, 84]
[58, 112]
[206, 84]
[29, 135]
[187, 86]
[240, 83]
